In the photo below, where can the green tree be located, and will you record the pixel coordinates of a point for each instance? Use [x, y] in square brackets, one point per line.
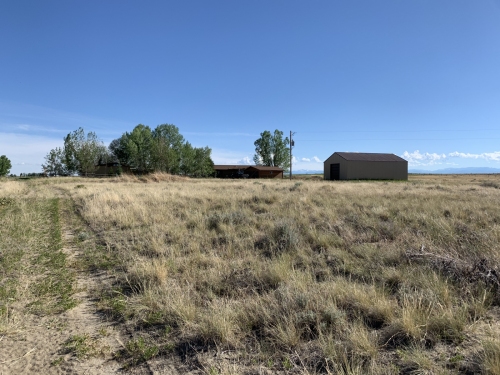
[82, 152]
[271, 150]
[196, 162]
[166, 148]
[54, 163]
[119, 151]
[203, 166]
[187, 164]
[5, 166]
[69, 152]
[138, 148]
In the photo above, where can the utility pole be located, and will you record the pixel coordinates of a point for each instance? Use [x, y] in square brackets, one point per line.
[291, 145]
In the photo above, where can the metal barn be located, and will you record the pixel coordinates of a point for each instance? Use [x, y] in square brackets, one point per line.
[365, 166]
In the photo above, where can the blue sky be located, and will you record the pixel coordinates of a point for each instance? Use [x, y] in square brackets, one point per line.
[418, 78]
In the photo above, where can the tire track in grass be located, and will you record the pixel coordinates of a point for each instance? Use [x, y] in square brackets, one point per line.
[92, 340]
[48, 320]
[42, 286]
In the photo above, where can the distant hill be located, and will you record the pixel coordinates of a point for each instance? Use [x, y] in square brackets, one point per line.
[470, 170]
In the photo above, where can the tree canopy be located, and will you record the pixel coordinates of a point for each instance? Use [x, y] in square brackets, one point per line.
[55, 163]
[144, 150]
[167, 148]
[162, 149]
[5, 166]
[271, 150]
[80, 154]
[138, 148]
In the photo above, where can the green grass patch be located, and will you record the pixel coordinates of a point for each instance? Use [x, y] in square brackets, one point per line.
[140, 351]
[84, 346]
[33, 268]
[53, 292]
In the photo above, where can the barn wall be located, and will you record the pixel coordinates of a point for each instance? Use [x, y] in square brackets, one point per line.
[333, 160]
[326, 166]
[343, 167]
[374, 170]
[367, 170]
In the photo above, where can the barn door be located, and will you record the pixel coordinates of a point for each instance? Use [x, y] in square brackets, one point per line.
[335, 171]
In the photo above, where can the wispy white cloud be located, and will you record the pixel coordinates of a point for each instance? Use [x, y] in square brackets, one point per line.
[16, 117]
[224, 156]
[314, 159]
[245, 161]
[32, 128]
[490, 156]
[418, 158]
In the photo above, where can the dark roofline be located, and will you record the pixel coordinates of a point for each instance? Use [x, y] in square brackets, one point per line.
[223, 167]
[368, 156]
[264, 168]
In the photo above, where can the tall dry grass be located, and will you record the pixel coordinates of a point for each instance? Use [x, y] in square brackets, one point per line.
[307, 276]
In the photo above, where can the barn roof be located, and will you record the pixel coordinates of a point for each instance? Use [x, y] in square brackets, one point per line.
[223, 167]
[366, 156]
[264, 168]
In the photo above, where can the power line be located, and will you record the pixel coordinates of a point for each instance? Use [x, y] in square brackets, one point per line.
[392, 139]
[400, 131]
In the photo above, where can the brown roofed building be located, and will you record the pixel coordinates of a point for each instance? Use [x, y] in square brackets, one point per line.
[365, 166]
[259, 171]
[247, 171]
[230, 171]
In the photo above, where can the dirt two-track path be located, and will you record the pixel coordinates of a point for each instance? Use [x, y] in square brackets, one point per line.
[80, 340]
[39, 345]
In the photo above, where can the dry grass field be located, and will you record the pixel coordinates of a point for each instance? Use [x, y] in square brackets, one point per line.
[261, 277]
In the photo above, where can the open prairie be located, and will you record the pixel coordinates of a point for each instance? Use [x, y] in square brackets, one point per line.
[207, 276]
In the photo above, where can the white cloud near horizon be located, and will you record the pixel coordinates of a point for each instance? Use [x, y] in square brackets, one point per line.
[490, 156]
[416, 158]
[314, 159]
[245, 161]
[221, 156]
[26, 152]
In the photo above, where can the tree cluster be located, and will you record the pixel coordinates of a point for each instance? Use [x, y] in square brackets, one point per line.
[163, 149]
[80, 154]
[143, 150]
